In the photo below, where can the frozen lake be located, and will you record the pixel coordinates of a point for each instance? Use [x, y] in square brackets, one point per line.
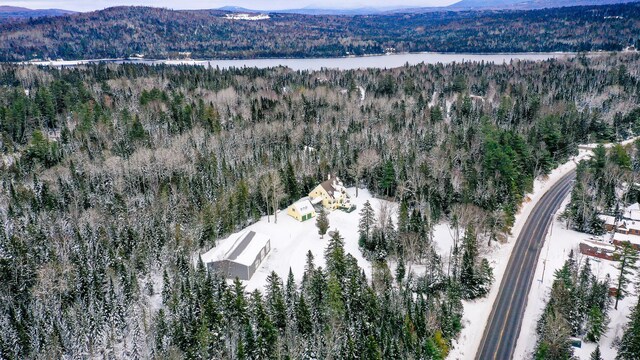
[343, 63]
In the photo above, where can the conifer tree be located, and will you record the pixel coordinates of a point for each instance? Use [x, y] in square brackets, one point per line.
[291, 184]
[309, 268]
[554, 342]
[468, 274]
[335, 256]
[626, 264]
[291, 293]
[403, 217]
[596, 355]
[388, 178]
[322, 223]
[265, 333]
[485, 278]
[400, 270]
[629, 347]
[276, 307]
[596, 324]
[366, 223]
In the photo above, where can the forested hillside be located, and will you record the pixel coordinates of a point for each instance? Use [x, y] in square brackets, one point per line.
[113, 177]
[8, 13]
[162, 33]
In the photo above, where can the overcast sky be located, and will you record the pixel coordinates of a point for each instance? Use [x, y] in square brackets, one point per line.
[86, 5]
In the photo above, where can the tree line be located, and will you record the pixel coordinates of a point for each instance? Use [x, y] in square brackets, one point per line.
[162, 33]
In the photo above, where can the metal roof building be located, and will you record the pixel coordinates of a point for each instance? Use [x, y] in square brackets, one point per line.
[240, 256]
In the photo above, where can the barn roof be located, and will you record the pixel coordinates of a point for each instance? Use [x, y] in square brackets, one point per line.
[242, 248]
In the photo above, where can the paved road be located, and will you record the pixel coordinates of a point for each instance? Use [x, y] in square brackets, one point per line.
[503, 327]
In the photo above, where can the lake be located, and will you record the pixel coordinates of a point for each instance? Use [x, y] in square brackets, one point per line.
[343, 63]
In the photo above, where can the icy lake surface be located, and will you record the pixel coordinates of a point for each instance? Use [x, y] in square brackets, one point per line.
[342, 63]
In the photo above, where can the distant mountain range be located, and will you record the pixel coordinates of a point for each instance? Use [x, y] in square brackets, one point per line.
[21, 12]
[205, 34]
[8, 12]
[321, 11]
[526, 4]
[463, 5]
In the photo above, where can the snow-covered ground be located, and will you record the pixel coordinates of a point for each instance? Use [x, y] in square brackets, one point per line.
[559, 242]
[594, 145]
[291, 240]
[248, 17]
[476, 312]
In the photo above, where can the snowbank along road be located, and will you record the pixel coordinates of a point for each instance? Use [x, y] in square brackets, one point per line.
[502, 330]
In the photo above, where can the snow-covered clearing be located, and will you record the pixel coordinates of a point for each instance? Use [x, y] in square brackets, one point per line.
[476, 312]
[559, 242]
[363, 92]
[291, 240]
[247, 17]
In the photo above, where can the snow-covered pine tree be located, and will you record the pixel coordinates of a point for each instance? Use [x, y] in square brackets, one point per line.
[627, 259]
[554, 337]
[275, 303]
[366, 224]
[629, 347]
[596, 355]
[468, 276]
[403, 216]
[322, 223]
[596, 324]
[334, 255]
[485, 278]
[400, 270]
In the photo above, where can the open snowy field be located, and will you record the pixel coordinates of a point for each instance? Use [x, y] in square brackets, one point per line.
[559, 242]
[291, 240]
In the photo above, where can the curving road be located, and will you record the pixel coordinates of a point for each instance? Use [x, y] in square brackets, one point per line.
[503, 327]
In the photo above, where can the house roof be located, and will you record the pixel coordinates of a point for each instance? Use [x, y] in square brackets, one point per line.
[333, 186]
[633, 239]
[303, 206]
[632, 212]
[328, 186]
[242, 248]
[630, 224]
[608, 219]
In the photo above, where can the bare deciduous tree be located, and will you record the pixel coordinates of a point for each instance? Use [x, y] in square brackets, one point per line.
[367, 159]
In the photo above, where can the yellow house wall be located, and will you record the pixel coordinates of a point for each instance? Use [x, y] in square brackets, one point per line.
[319, 191]
[291, 211]
[326, 202]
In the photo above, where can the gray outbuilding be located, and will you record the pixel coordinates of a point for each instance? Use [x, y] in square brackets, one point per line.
[239, 256]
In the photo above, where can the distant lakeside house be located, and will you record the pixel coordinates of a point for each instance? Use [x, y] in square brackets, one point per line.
[239, 257]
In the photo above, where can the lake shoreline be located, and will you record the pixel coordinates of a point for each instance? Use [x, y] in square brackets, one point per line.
[342, 63]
